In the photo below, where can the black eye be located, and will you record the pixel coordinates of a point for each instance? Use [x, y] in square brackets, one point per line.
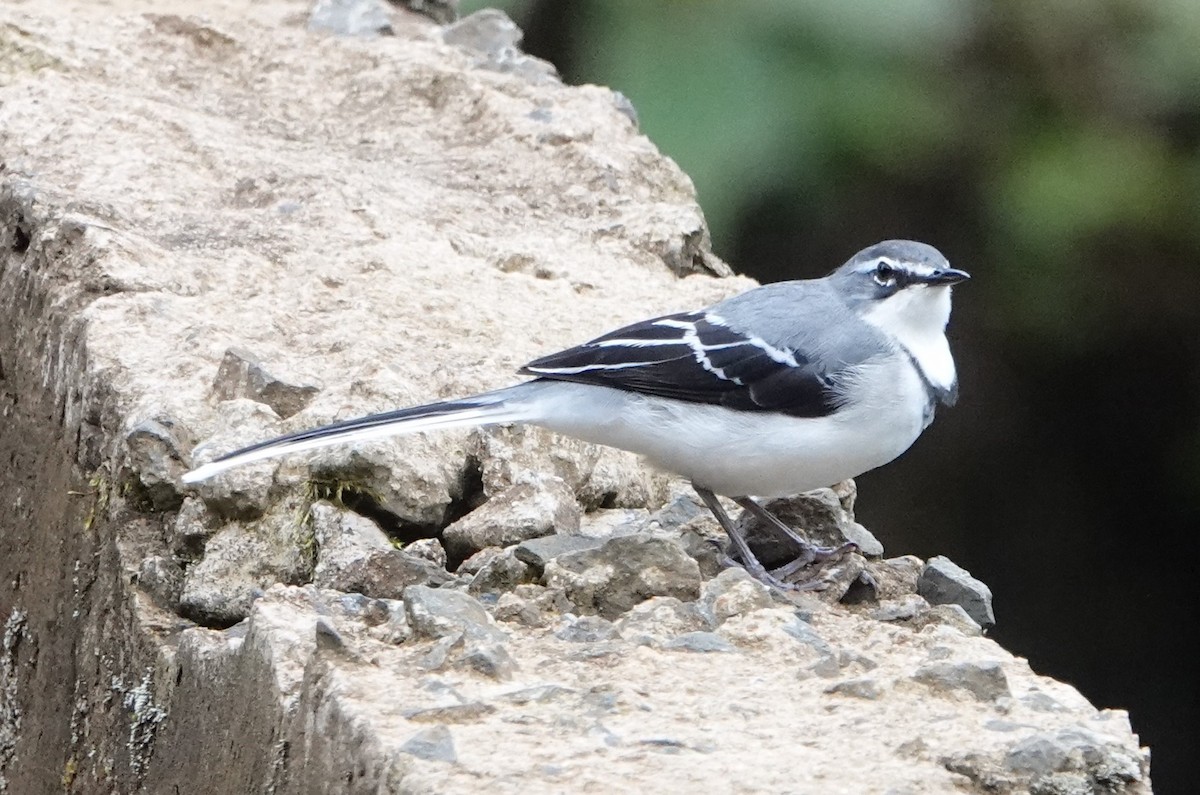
[884, 275]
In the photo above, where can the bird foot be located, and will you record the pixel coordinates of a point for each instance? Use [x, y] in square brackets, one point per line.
[767, 578]
[799, 575]
[803, 572]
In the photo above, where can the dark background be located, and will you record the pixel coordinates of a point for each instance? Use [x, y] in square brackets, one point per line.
[1052, 149]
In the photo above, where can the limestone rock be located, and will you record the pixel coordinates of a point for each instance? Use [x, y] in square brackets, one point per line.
[474, 564]
[353, 554]
[532, 605]
[465, 633]
[624, 572]
[527, 510]
[659, 619]
[538, 552]
[699, 641]
[240, 561]
[586, 629]
[605, 523]
[192, 528]
[510, 456]
[350, 17]
[245, 492]
[156, 460]
[900, 608]
[504, 571]
[620, 479]
[435, 744]
[342, 536]
[731, 593]
[242, 375]
[948, 616]
[162, 578]
[895, 577]
[429, 549]
[438, 613]
[943, 582]
[1102, 764]
[411, 479]
[985, 681]
[493, 40]
[777, 627]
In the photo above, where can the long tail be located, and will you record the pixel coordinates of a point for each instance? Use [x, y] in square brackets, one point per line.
[489, 408]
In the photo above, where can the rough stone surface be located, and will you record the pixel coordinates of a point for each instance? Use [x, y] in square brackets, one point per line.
[438, 613]
[353, 554]
[246, 492]
[180, 179]
[435, 744]
[503, 572]
[466, 635]
[661, 619]
[985, 681]
[240, 561]
[943, 582]
[527, 510]
[156, 459]
[599, 476]
[895, 577]
[532, 605]
[731, 593]
[350, 17]
[493, 41]
[538, 552]
[429, 549]
[162, 578]
[242, 375]
[624, 572]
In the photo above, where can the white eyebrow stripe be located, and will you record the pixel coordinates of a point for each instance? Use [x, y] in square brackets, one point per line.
[920, 269]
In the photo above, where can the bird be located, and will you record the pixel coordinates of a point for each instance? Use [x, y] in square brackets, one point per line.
[781, 389]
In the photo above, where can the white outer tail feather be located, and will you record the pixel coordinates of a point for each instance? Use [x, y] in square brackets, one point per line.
[497, 408]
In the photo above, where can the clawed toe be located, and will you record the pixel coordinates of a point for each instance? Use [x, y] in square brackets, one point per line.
[801, 574]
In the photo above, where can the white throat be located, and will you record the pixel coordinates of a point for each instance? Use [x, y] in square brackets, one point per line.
[915, 318]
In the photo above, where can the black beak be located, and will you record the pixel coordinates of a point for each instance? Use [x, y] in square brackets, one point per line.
[946, 277]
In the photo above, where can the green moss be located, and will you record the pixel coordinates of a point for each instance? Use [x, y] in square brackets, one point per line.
[98, 489]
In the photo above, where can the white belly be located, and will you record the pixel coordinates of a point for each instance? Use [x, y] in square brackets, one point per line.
[758, 454]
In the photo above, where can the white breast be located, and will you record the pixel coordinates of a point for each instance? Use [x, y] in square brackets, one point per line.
[916, 318]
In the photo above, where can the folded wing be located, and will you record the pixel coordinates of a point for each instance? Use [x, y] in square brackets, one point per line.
[698, 357]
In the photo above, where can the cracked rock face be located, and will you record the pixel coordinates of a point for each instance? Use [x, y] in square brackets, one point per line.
[218, 225]
[527, 510]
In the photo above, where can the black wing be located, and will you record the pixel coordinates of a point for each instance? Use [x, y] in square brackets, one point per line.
[695, 356]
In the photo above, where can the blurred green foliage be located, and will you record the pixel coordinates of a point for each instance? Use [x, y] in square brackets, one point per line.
[1063, 126]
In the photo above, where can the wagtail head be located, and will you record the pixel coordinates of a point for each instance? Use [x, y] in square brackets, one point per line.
[888, 269]
[900, 286]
